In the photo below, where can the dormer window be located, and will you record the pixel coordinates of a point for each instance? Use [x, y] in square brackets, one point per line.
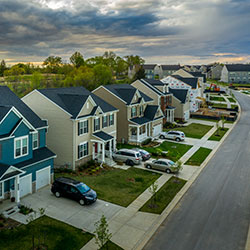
[133, 112]
[21, 146]
[35, 140]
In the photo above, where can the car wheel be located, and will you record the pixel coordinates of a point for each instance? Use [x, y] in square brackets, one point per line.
[57, 194]
[177, 139]
[81, 202]
[162, 137]
[148, 166]
[168, 171]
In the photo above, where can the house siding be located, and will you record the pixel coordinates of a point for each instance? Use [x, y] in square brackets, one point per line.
[8, 123]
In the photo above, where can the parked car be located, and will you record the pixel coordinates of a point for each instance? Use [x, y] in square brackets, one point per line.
[163, 165]
[74, 190]
[130, 157]
[173, 135]
[145, 155]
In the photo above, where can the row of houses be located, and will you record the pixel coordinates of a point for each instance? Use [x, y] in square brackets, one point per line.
[70, 126]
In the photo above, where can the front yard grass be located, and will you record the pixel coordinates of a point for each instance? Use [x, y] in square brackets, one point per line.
[230, 99]
[174, 150]
[57, 235]
[217, 98]
[164, 196]
[117, 185]
[218, 134]
[195, 130]
[219, 105]
[198, 157]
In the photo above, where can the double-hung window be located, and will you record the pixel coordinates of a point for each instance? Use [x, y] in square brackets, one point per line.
[104, 121]
[35, 140]
[96, 124]
[111, 119]
[21, 146]
[133, 112]
[83, 127]
[83, 150]
[141, 110]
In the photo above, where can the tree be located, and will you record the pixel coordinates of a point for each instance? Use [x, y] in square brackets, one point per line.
[2, 67]
[140, 74]
[134, 60]
[77, 59]
[152, 189]
[103, 74]
[102, 234]
[52, 63]
[223, 120]
[178, 167]
[36, 80]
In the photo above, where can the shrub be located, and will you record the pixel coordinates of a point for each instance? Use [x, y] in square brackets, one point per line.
[147, 141]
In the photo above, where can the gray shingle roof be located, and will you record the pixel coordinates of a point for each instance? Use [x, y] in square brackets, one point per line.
[125, 92]
[9, 99]
[154, 82]
[238, 67]
[180, 94]
[148, 66]
[157, 91]
[198, 74]
[191, 81]
[72, 99]
[3, 111]
[103, 136]
[170, 67]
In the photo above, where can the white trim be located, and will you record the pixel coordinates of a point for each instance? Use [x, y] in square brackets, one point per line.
[145, 83]
[21, 138]
[109, 92]
[40, 170]
[49, 100]
[80, 144]
[38, 162]
[94, 131]
[7, 114]
[6, 138]
[88, 99]
[82, 121]
[25, 176]
[35, 133]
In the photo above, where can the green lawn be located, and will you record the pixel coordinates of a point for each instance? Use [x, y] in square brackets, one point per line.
[218, 134]
[199, 156]
[205, 119]
[233, 106]
[57, 234]
[217, 98]
[117, 185]
[164, 196]
[219, 105]
[195, 130]
[230, 99]
[175, 150]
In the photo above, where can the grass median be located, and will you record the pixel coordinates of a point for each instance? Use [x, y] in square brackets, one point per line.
[218, 134]
[164, 196]
[199, 156]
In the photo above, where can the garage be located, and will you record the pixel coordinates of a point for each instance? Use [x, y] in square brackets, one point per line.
[42, 177]
[25, 185]
[157, 129]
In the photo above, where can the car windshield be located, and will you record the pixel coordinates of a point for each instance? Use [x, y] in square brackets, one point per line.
[144, 152]
[83, 188]
[171, 163]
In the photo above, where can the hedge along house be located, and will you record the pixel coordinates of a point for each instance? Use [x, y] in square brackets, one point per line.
[26, 164]
[82, 125]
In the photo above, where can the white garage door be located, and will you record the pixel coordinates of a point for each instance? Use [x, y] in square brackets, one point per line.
[42, 177]
[25, 185]
[157, 130]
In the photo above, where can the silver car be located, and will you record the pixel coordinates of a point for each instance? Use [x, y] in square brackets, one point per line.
[130, 157]
[173, 135]
[163, 165]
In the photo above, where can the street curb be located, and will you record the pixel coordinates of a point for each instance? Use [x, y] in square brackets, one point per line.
[179, 196]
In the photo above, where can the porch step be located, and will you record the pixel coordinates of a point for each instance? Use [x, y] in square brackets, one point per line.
[13, 210]
[110, 162]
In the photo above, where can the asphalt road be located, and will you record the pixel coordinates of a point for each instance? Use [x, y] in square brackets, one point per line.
[214, 214]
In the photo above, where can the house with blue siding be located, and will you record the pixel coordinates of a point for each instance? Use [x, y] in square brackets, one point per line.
[26, 164]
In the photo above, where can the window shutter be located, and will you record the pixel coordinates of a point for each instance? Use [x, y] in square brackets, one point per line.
[87, 148]
[103, 125]
[78, 124]
[87, 126]
[38, 139]
[78, 151]
[94, 125]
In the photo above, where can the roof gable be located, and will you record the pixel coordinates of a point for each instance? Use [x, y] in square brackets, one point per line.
[180, 94]
[238, 67]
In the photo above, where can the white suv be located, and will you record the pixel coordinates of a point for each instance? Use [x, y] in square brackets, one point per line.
[130, 157]
[173, 135]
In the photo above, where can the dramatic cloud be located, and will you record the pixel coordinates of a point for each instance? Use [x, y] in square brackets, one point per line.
[161, 31]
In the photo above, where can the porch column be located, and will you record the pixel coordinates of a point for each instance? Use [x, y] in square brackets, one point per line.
[93, 150]
[103, 152]
[110, 148]
[17, 191]
[137, 134]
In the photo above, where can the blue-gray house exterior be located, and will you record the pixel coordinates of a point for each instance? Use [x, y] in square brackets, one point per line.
[26, 164]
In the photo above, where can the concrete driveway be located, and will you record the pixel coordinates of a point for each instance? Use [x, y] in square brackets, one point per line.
[70, 211]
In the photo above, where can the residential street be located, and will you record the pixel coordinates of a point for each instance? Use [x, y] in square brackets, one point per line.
[214, 214]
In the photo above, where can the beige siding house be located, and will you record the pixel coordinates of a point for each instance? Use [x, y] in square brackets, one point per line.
[82, 126]
[137, 119]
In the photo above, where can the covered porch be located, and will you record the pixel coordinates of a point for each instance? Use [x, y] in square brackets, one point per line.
[10, 182]
[139, 133]
[103, 146]
[169, 114]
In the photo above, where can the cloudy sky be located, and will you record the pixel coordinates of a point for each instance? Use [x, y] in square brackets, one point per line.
[161, 31]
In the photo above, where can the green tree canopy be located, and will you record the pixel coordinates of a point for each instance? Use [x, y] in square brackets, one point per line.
[77, 59]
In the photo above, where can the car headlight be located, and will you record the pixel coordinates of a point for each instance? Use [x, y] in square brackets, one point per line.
[89, 198]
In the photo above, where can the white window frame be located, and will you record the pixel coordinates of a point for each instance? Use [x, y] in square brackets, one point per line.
[82, 144]
[83, 127]
[133, 114]
[2, 189]
[36, 133]
[98, 118]
[141, 110]
[105, 117]
[113, 119]
[21, 139]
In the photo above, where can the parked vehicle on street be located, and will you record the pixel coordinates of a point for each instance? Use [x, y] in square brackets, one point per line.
[163, 165]
[130, 157]
[74, 190]
[145, 155]
[172, 135]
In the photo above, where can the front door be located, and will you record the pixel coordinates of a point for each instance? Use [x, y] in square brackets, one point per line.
[96, 147]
